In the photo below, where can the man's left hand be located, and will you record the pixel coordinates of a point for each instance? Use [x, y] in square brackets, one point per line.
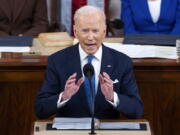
[106, 86]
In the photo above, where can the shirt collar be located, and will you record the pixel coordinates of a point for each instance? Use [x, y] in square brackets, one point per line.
[97, 55]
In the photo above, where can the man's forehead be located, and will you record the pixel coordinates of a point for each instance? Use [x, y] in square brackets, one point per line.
[90, 21]
[90, 17]
[90, 26]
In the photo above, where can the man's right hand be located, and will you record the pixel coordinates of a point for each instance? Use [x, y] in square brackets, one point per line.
[71, 87]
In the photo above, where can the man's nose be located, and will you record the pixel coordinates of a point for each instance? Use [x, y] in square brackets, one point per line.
[90, 36]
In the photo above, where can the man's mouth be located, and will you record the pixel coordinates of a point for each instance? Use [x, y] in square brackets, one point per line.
[91, 44]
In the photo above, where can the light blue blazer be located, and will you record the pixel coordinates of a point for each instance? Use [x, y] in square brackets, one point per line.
[137, 18]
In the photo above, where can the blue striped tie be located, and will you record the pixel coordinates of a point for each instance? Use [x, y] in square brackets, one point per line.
[87, 85]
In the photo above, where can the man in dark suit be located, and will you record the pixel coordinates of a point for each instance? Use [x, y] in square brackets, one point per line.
[63, 91]
[23, 17]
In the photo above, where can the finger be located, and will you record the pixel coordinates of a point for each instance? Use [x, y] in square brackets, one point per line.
[101, 80]
[72, 76]
[107, 80]
[70, 81]
[71, 89]
[80, 81]
[108, 85]
[106, 75]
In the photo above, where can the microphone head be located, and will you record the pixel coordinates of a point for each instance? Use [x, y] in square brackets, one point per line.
[88, 70]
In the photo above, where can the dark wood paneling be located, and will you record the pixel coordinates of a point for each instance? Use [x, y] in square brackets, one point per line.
[16, 107]
[17, 94]
[159, 84]
[21, 78]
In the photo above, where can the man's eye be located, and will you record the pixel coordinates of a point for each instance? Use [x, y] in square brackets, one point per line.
[95, 31]
[85, 30]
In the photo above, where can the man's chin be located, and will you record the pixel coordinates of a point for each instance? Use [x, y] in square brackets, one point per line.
[91, 52]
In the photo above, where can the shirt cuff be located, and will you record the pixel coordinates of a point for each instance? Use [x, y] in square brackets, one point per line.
[61, 103]
[116, 100]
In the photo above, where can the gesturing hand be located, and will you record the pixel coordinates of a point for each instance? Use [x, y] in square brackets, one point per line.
[71, 87]
[106, 86]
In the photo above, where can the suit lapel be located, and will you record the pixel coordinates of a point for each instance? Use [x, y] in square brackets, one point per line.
[164, 4]
[75, 63]
[162, 8]
[107, 66]
[145, 8]
[107, 61]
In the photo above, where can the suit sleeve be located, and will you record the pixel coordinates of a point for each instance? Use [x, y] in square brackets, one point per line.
[126, 16]
[176, 29]
[40, 22]
[130, 101]
[47, 98]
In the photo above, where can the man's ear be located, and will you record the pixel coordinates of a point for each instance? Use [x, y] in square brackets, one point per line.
[105, 30]
[74, 30]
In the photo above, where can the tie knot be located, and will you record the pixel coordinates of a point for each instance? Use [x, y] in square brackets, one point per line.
[90, 58]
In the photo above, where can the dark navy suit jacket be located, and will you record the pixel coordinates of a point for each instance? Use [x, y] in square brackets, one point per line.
[66, 62]
[137, 18]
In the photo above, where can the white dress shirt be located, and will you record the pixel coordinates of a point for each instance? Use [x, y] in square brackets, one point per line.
[96, 62]
[154, 9]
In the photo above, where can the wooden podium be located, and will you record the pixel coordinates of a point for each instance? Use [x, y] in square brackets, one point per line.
[40, 129]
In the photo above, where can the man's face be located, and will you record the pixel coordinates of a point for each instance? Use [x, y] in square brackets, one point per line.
[90, 30]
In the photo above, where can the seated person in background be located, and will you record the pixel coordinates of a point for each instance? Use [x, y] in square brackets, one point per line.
[64, 91]
[151, 16]
[23, 17]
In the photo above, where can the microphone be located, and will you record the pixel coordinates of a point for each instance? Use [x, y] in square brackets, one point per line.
[89, 72]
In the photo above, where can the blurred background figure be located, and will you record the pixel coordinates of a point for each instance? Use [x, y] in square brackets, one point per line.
[114, 9]
[68, 8]
[151, 16]
[23, 17]
[115, 25]
[53, 14]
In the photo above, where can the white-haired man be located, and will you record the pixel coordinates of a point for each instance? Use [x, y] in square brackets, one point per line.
[64, 91]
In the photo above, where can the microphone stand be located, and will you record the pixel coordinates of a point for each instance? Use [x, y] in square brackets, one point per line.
[92, 106]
